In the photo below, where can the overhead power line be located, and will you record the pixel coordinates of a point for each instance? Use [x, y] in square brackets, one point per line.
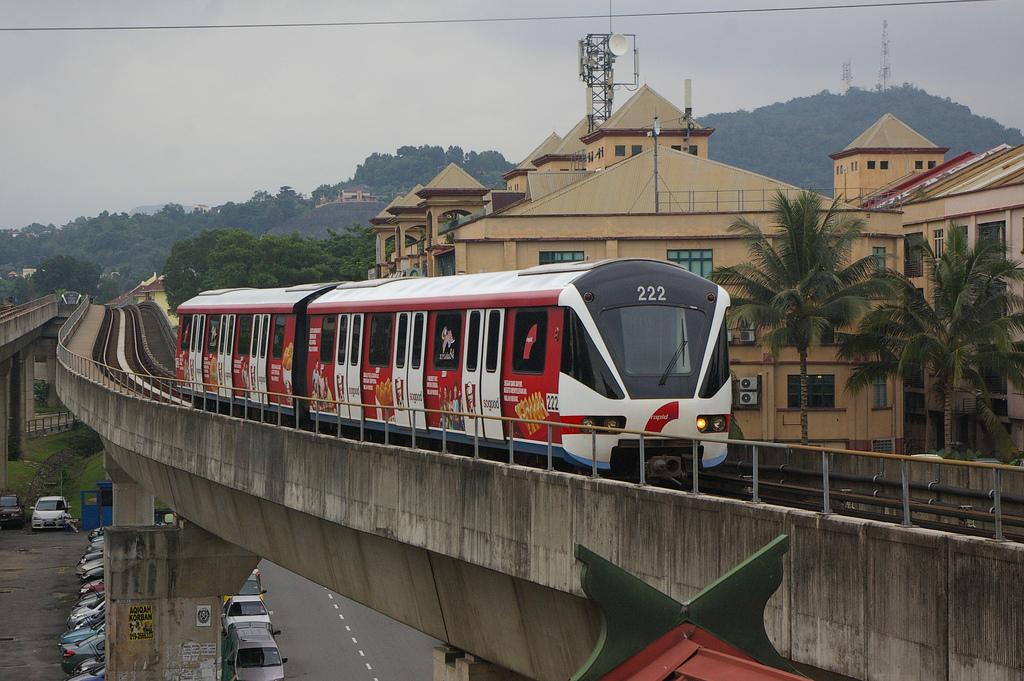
[492, 20]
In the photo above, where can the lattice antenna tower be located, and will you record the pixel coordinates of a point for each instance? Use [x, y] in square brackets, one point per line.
[847, 75]
[884, 69]
[597, 54]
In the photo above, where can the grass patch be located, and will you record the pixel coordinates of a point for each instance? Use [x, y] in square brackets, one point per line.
[43, 409]
[80, 439]
[19, 474]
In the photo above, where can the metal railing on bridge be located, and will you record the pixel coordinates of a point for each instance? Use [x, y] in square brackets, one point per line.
[168, 390]
[44, 424]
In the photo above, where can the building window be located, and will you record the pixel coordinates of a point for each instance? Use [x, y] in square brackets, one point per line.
[636, 149]
[600, 152]
[879, 254]
[821, 391]
[931, 164]
[620, 149]
[693, 149]
[855, 165]
[993, 231]
[871, 165]
[883, 165]
[940, 242]
[677, 147]
[550, 257]
[839, 170]
[879, 393]
[699, 261]
[918, 165]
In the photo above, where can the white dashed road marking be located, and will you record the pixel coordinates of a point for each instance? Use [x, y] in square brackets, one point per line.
[362, 654]
[348, 628]
[368, 666]
[354, 640]
[331, 596]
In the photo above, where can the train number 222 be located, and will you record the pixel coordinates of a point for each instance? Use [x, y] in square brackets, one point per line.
[647, 293]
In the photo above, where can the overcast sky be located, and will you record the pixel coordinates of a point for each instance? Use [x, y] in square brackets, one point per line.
[112, 120]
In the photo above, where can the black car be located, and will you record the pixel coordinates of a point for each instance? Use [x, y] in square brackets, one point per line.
[12, 513]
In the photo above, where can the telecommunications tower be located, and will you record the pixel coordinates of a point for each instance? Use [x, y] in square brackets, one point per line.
[884, 70]
[597, 54]
[847, 75]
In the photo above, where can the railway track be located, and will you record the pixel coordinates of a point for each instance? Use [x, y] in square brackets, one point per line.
[119, 347]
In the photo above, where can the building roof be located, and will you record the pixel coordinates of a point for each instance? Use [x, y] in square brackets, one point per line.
[889, 132]
[550, 143]
[384, 215]
[453, 177]
[687, 183]
[640, 109]
[408, 203]
[570, 144]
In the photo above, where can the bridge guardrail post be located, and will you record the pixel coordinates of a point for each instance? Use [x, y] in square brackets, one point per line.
[754, 467]
[476, 438]
[511, 441]
[412, 425]
[826, 502]
[905, 492]
[997, 502]
[362, 424]
[695, 460]
[387, 434]
[593, 453]
[444, 434]
[643, 462]
[550, 462]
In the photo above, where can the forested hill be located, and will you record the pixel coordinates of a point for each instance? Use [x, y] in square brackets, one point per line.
[791, 140]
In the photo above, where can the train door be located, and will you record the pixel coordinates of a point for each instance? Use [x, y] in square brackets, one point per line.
[353, 372]
[195, 354]
[252, 365]
[227, 342]
[340, 371]
[211, 354]
[490, 376]
[261, 362]
[417, 349]
[240, 362]
[400, 371]
[471, 365]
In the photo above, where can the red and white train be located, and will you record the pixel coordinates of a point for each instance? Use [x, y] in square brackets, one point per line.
[634, 344]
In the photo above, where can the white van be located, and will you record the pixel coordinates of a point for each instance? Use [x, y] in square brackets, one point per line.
[251, 654]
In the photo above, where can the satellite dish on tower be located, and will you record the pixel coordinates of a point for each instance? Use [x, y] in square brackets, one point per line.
[618, 44]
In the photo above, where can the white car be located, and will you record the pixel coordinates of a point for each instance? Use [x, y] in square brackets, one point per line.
[49, 512]
[247, 609]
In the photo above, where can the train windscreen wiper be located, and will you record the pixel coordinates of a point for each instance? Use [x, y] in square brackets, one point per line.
[672, 362]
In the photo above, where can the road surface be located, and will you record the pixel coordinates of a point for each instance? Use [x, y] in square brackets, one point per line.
[327, 637]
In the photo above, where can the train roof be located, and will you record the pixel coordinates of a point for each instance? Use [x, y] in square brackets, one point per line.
[534, 286]
[253, 299]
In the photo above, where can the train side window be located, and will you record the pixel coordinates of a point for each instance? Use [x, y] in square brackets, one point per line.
[493, 341]
[186, 328]
[357, 332]
[582, 360]
[342, 337]
[244, 334]
[529, 341]
[447, 334]
[327, 338]
[264, 335]
[279, 325]
[402, 341]
[718, 369]
[417, 340]
[213, 339]
[473, 341]
[380, 339]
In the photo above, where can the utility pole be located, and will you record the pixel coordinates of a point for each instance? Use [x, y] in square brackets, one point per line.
[655, 131]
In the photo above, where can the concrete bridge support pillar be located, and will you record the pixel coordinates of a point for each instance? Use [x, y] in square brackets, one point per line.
[452, 664]
[133, 504]
[18, 412]
[5, 418]
[164, 589]
[27, 358]
[51, 372]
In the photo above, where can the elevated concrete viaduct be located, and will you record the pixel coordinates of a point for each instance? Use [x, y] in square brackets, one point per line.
[26, 331]
[480, 554]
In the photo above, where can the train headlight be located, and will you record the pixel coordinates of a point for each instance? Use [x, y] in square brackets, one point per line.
[587, 424]
[717, 423]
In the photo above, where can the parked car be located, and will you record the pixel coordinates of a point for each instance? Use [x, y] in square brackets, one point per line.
[12, 513]
[73, 635]
[251, 654]
[84, 568]
[93, 573]
[99, 675]
[94, 621]
[95, 586]
[89, 599]
[49, 512]
[91, 666]
[245, 609]
[98, 532]
[252, 586]
[73, 654]
[86, 612]
[90, 556]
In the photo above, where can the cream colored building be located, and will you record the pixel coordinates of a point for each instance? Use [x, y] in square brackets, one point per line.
[566, 201]
[887, 152]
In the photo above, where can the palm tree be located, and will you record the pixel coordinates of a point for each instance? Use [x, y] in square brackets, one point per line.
[799, 282]
[965, 333]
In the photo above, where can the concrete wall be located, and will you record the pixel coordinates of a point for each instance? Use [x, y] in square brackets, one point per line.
[480, 555]
[19, 331]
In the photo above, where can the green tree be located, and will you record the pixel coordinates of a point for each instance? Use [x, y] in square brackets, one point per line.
[964, 335]
[799, 282]
[63, 273]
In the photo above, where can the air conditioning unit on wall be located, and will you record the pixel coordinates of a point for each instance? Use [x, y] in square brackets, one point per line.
[750, 382]
[747, 336]
[749, 398]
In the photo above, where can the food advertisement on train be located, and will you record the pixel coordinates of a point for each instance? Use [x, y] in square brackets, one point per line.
[529, 389]
[443, 384]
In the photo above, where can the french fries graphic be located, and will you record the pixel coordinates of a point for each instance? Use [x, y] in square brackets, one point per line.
[532, 407]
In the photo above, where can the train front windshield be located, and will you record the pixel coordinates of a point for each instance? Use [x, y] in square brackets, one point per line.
[657, 348]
